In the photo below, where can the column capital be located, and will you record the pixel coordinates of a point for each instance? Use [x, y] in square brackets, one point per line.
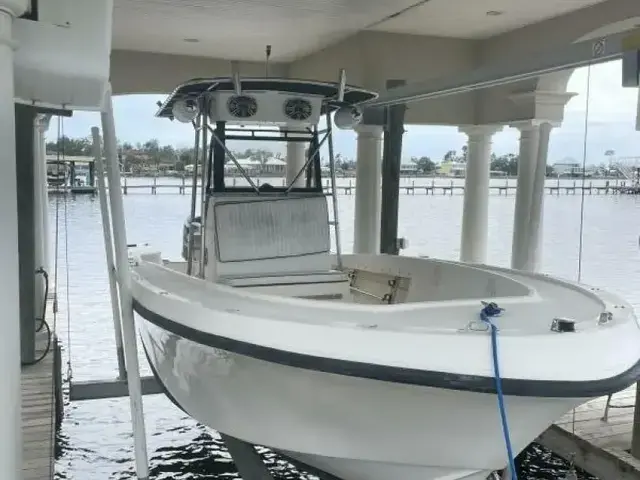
[541, 97]
[546, 105]
[534, 124]
[475, 131]
[365, 130]
[42, 121]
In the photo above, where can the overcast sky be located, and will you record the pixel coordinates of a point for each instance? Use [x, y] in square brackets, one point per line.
[612, 113]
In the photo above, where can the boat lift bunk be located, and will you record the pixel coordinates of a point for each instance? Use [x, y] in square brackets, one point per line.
[277, 224]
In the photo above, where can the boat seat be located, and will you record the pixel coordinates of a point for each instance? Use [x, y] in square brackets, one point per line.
[274, 244]
[268, 235]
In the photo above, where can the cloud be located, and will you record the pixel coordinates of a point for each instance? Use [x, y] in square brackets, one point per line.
[611, 114]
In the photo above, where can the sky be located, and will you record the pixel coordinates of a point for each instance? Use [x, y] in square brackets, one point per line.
[611, 125]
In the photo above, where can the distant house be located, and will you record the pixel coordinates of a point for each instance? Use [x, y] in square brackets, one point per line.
[274, 166]
[452, 169]
[249, 165]
[567, 169]
[408, 168]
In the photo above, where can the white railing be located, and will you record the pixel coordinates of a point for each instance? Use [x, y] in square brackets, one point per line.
[627, 166]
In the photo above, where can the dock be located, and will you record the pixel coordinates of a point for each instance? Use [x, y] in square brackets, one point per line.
[41, 410]
[77, 190]
[154, 187]
[598, 441]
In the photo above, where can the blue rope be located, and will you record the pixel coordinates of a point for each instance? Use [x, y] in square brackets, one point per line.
[489, 311]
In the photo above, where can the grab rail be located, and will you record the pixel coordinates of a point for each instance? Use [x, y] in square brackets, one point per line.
[384, 298]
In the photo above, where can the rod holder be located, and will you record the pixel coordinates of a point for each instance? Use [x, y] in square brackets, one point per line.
[342, 84]
[237, 84]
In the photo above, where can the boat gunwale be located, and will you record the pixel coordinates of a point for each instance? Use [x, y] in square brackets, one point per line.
[394, 374]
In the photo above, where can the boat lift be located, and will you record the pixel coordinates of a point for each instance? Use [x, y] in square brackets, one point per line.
[129, 381]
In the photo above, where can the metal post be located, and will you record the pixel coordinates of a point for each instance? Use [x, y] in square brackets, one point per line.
[126, 302]
[108, 246]
[391, 159]
[334, 191]
[194, 194]
[10, 420]
[204, 194]
[25, 117]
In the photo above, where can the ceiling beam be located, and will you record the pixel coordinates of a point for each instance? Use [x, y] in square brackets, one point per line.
[576, 55]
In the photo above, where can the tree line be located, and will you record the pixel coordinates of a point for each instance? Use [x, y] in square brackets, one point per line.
[148, 154]
[506, 164]
[152, 154]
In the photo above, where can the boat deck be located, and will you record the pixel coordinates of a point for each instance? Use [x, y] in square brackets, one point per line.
[598, 445]
[40, 411]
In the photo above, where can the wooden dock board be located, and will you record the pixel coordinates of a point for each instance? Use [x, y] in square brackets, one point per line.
[39, 415]
[598, 446]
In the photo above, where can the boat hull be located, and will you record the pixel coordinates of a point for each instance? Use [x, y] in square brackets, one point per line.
[354, 428]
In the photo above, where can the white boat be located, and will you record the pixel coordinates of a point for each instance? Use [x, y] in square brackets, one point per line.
[368, 367]
[57, 173]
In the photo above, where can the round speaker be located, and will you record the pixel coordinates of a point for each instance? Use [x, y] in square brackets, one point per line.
[346, 118]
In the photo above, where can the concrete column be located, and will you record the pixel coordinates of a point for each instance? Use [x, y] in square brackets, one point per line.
[10, 420]
[527, 226]
[475, 210]
[41, 201]
[27, 243]
[295, 162]
[368, 189]
[391, 160]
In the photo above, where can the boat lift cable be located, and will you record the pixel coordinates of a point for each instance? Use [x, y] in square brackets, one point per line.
[66, 268]
[584, 174]
[582, 199]
[488, 312]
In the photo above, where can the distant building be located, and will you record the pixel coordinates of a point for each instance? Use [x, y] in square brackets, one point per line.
[452, 169]
[408, 168]
[271, 166]
[275, 166]
[572, 169]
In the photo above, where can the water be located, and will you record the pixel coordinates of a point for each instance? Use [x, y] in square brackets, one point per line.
[96, 440]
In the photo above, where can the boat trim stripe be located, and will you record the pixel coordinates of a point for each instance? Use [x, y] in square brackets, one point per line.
[445, 380]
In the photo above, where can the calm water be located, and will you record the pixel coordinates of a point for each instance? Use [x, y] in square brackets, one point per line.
[96, 441]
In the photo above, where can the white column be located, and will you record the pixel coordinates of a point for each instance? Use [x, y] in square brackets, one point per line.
[527, 225]
[295, 162]
[10, 420]
[475, 210]
[41, 218]
[638, 113]
[368, 189]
